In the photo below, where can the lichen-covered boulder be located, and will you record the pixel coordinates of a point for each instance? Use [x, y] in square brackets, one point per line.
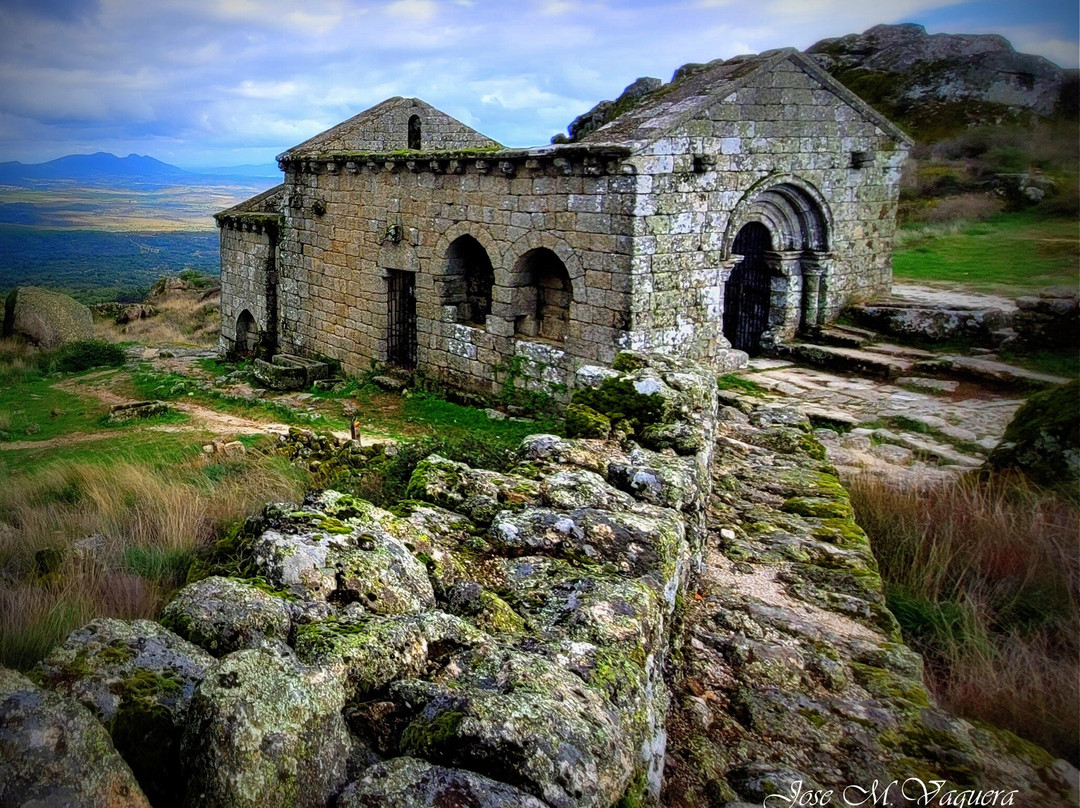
[320, 557]
[530, 719]
[477, 493]
[48, 318]
[407, 782]
[372, 653]
[585, 422]
[223, 615]
[54, 754]
[266, 732]
[1043, 439]
[138, 679]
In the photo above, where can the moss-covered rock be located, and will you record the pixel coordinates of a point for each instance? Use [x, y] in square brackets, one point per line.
[585, 422]
[407, 782]
[477, 493]
[223, 615]
[266, 732]
[48, 318]
[1043, 439]
[138, 679]
[54, 753]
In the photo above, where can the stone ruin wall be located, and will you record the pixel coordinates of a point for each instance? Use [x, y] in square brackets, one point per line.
[785, 125]
[247, 257]
[333, 287]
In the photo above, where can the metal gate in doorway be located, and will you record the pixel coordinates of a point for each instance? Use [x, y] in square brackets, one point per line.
[748, 290]
[401, 331]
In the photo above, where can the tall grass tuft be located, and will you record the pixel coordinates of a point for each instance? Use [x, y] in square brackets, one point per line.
[984, 577]
[87, 539]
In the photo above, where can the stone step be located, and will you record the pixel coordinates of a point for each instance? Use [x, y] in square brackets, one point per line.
[902, 351]
[940, 453]
[850, 360]
[841, 336]
[987, 371]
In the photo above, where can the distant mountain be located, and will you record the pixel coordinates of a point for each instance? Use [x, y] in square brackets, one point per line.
[92, 169]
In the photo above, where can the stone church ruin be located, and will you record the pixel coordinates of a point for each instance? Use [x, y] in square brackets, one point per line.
[723, 212]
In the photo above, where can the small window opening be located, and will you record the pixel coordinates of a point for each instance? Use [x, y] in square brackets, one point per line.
[469, 280]
[414, 132]
[860, 159]
[545, 298]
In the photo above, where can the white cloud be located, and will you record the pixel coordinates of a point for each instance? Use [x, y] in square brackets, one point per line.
[418, 10]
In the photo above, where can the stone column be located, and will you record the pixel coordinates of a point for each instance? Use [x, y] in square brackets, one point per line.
[815, 268]
[786, 295]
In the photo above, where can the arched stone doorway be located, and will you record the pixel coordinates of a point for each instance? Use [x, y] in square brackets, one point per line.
[746, 301]
[777, 275]
[247, 333]
[468, 281]
[543, 297]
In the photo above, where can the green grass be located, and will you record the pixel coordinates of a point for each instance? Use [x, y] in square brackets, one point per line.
[45, 411]
[739, 384]
[1010, 253]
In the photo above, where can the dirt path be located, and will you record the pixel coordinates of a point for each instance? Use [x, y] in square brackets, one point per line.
[203, 419]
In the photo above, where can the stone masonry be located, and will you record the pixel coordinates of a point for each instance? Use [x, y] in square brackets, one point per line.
[402, 236]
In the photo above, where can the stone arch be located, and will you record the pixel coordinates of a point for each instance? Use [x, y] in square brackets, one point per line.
[478, 232]
[796, 213]
[544, 295]
[800, 226]
[467, 279]
[507, 277]
[247, 333]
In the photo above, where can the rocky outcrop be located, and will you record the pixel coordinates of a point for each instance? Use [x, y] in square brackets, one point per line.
[47, 318]
[915, 77]
[54, 754]
[794, 673]
[1043, 439]
[606, 111]
[138, 679]
[223, 615]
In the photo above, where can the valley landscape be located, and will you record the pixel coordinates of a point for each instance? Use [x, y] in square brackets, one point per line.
[853, 559]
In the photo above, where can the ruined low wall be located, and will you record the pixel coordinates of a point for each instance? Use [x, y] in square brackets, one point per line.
[496, 640]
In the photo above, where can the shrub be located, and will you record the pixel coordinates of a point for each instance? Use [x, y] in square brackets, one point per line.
[87, 353]
[984, 577]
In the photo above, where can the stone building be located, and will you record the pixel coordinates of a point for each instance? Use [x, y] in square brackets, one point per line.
[743, 201]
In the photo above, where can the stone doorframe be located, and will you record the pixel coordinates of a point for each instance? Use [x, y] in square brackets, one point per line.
[801, 224]
[798, 281]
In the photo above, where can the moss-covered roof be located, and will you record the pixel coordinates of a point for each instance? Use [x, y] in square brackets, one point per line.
[261, 206]
[695, 89]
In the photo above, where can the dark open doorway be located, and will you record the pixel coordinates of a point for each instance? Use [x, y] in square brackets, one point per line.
[401, 331]
[746, 297]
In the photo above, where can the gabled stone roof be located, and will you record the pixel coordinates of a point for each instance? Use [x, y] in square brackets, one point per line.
[261, 206]
[384, 128]
[692, 94]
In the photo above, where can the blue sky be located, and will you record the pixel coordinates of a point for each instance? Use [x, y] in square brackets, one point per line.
[227, 82]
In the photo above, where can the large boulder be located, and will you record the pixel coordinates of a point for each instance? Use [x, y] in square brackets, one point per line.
[54, 754]
[48, 318]
[137, 678]
[407, 782]
[266, 732]
[224, 615]
[1043, 439]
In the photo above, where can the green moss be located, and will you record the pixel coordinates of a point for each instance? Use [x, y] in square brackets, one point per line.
[628, 362]
[636, 794]
[423, 736]
[843, 532]
[890, 687]
[495, 615]
[332, 525]
[818, 507]
[618, 400]
[585, 422]
[321, 638]
[733, 381]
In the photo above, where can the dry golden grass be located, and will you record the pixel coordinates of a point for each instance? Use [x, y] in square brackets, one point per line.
[80, 540]
[183, 318]
[984, 577]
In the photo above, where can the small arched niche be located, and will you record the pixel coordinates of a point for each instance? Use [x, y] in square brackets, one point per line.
[468, 280]
[247, 333]
[414, 132]
[544, 296]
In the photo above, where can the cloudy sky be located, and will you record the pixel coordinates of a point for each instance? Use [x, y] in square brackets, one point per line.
[227, 82]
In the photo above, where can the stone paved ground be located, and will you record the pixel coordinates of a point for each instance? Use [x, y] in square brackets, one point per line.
[911, 430]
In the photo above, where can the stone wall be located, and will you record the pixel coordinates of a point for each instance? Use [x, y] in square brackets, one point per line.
[697, 188]
[247, 272]
[392, 213]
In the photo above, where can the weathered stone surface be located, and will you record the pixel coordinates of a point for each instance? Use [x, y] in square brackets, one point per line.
[54, 754]
[1043, 439]
[223, 615]
[406, 782]
[139, 410]
[138, 679]
[265, 732]
[48, 318]
[318, 556]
